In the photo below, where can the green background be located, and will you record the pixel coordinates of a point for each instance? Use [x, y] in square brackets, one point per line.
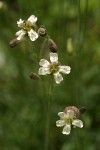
[23, 101]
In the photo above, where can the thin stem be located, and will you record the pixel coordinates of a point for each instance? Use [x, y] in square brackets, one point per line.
[77, 54]
[47, 127]
[42, 47]
[77, 140]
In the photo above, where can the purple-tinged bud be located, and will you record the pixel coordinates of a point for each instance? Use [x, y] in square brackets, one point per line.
[13, 43]
[33, 76]
[52, 46]
[74, 109]
[82, 109]
[42, 31]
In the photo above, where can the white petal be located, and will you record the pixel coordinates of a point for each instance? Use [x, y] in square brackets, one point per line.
[70, 114]
[58, 77]
[20, 34]
[53, 57]
[44, 71]
[33, 35]
[32, 19]
[60, 123]
[78, 123]
[66, 129]
[64, 69]
[20, 22]
[62, 115]
[44, 63]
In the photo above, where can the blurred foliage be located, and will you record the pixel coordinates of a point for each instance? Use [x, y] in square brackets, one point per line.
[22, 100]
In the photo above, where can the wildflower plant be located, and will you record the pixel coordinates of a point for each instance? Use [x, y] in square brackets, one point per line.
[53, 68]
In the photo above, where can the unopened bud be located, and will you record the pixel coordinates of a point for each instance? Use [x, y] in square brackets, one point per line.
[82, 109]
[52, 46]
[13, 42]
[69, 46]
[34, 76]
[42, 31]
[3, 5]
[74, 109]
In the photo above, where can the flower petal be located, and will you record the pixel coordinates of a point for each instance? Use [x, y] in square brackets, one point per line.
[44, 71]
[60, 123]
[20, 34]
[64, 69]
[32, 19]
[44, 63]
[20, 22]
[70, 114]
[33, 35]
[62, 115]
[66, 129]
[78, 123]
[58, 77]
[53, 57]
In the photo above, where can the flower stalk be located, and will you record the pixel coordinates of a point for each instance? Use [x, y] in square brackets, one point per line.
[48, 115]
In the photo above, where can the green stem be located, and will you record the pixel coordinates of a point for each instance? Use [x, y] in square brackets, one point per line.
[77, 140]
[48, 120]
[78, 55]
[42, 47]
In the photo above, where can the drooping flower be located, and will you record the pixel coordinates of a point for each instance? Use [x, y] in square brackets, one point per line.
[68, 118]
[53, 67]
[27, 28]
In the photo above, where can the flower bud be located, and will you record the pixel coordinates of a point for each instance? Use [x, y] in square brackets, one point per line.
[42, 31]
[74, 109]
[82, 109]
[13, 43]
[33, 76]
[69, 46]
[3, 5]
[52, 46]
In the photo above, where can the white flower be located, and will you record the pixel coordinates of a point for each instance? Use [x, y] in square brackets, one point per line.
[66, 120]
[27, 28]
[53, 67]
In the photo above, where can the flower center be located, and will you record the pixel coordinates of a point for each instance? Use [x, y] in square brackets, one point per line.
[69, 121]
[26, 27]
[54, 68]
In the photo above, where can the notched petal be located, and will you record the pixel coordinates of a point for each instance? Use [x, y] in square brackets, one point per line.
[66, 129]
[43, 71]
[20, 22]
[58, 77]
[32, 19]
[54, 57]
[44, 63]
[78, 123]
[70, 114]
[33, 35]
[62, 115]
[60, 123]
[20, 34]
[64, 69]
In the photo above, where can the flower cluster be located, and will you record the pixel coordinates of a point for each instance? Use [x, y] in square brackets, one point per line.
[53, 67]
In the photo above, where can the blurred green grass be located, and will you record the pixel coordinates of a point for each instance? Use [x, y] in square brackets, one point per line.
[22, 104]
